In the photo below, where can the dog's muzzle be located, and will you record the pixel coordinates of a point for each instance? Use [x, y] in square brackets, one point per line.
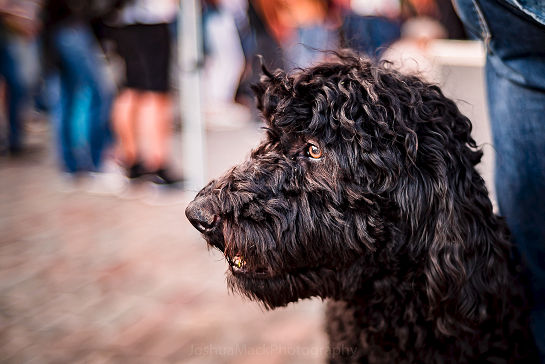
[202, 217]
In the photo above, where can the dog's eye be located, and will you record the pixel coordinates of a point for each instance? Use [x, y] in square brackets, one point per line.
[314, 151]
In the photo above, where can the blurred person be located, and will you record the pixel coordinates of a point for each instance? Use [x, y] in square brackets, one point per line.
[513, 32]
[73, 53]
[269, 32]
[238, 10]
[223, 66]
[287, 35]
[271, 15]
[302, 29]
[447, 16]
[314, 31]
[439, 10]
[142, 111]
[258, 39]
[242, 10]
[19, 25]
[370, 26]
[410, 53]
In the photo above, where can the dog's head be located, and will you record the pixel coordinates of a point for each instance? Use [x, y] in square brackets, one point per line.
[363, 173]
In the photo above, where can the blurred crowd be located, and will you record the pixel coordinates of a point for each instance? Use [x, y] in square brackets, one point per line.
[102, 71]
[59, 57]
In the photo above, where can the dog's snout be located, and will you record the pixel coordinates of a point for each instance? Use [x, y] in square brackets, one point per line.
[202, 218]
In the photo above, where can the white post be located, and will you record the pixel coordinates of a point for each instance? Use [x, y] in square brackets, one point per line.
[190, 56]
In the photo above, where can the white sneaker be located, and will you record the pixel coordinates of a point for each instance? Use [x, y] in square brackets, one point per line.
[105, 183]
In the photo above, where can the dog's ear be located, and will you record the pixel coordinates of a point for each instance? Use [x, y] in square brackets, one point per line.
[267, 90]
[449, 218]
[260, 87]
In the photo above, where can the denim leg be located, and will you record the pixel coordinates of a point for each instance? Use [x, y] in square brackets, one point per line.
[81, 63]
[518, 130]
[515, 77]
[16, 89]
[68, 89]
[101, 103]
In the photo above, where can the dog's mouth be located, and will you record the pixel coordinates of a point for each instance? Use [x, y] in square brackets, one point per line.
[251, 267]
[239, 266]
[278, 287]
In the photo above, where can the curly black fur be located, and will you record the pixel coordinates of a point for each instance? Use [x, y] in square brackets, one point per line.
[392, 223]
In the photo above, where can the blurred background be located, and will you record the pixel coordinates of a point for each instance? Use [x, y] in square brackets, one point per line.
[113, 113]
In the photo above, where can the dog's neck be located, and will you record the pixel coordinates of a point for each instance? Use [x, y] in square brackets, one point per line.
[366, 279]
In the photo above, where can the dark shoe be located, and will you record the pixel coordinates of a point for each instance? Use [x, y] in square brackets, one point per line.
[165, 177]
[27, 152]
[137, 170]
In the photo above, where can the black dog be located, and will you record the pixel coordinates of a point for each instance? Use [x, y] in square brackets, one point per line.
[364, 191]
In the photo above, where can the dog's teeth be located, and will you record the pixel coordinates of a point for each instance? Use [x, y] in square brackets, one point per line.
[238, 261]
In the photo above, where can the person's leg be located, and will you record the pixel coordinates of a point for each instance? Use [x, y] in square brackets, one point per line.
[64, 122]
[154, 112]
[154, 104]
[92, 69]
[127, 104]
[125, 125]
[515, 75]
[518, 128]
[16, 91]
[516, 95]
[64, 111]
[99, 116]
[80, 59]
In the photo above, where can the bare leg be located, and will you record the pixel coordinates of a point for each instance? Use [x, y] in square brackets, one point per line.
[154, 111]
[126, 126]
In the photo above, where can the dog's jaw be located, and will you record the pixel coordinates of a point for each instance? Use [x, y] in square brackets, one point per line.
[280, 290]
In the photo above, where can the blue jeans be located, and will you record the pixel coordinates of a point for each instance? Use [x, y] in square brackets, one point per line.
[370, 34]
[515, 76]
[11, 50]
[308, 46]
[81, 70]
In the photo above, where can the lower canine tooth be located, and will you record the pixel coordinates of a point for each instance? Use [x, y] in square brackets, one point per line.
[238, 261]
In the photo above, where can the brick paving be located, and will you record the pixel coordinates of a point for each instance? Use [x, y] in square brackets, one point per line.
[106, 279]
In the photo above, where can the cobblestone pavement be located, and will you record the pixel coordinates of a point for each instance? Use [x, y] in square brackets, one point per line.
[109, 279]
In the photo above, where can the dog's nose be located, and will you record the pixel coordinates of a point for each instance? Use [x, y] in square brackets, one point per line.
[202, 218]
